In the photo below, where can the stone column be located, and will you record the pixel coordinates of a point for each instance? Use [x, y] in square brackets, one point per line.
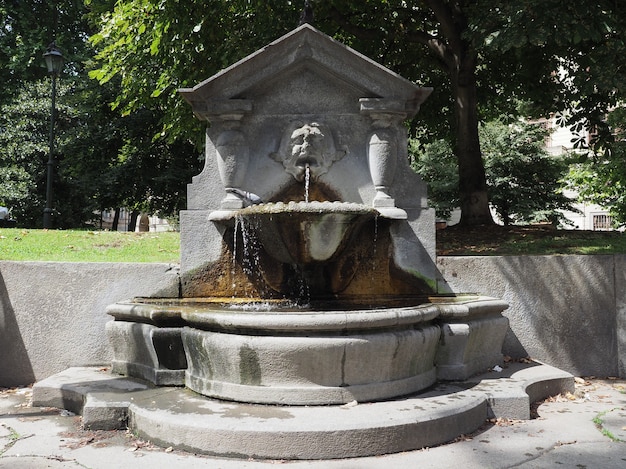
[382, 151]
[232, 150]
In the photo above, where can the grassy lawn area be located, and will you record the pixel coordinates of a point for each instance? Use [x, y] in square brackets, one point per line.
[88, 246]
[18, 244]
[497, 240]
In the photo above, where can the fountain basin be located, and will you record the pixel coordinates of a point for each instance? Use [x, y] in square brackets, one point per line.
[302, 233]
[277, 352]
[311, 357]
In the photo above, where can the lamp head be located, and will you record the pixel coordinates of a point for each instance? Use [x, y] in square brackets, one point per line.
[54, 59]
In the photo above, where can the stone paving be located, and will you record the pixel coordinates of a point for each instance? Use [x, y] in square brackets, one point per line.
[584, 429]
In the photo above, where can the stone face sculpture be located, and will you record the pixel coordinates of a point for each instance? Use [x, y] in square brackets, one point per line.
[307, 145]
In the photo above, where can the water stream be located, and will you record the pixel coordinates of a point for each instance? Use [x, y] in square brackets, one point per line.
[307, 182]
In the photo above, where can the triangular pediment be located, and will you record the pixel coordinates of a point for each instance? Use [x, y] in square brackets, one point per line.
[305, 88]
[311, 51]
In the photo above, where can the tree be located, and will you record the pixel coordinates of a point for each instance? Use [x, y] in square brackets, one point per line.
[150, 174]
[85, 143]
[600, 176]
[144, 42]
[481, 56]
[582, 39]
[155, 48]
[436, 163]
[525, 183]
[25, 104]
[103, 160]
[27, 27]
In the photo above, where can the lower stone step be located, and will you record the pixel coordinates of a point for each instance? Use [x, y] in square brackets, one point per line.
[180, 418]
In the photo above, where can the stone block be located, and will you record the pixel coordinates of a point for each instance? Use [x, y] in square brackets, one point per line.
[148, 352]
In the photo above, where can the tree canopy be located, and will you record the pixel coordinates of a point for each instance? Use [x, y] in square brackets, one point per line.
[525, 183]
[482, 57]
[600, 176]
[103, 160]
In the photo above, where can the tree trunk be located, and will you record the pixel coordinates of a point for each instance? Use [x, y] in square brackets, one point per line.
[506, 219]
[116, 220]
[459, 59]
[132, 223]
[472, 180]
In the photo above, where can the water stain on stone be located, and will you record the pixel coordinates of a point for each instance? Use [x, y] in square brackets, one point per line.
[258, 411]
[249, 366]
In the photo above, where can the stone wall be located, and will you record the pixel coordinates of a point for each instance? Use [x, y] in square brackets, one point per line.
[52, 314]
[567, 311]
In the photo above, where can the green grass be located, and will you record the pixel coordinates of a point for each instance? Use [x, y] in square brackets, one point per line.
[526, 240]
[600, 424]
[107, 246]
[88, 246]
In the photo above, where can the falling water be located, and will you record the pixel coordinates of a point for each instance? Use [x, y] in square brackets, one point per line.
[374, 257]
[375, 232]
[307, 182]
[234, 262]
[250, 249]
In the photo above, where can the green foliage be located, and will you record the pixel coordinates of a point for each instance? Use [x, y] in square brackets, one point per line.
[481, 57]
[102, 160]
[600, 176]
[156, 47]
[24, 149]
[578, 40]
[27, 27]
[524, 182]
[436, 164]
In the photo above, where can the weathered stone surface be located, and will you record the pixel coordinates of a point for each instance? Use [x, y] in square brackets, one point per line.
[563, 309]
[173, 417]
[144, 351]
[34, 306]
[52, 314]
[265, 132]
[620, 312]
[472, 332]
[317, 360]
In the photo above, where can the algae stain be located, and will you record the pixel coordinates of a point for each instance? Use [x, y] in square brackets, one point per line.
[432, 283]
[249, 366]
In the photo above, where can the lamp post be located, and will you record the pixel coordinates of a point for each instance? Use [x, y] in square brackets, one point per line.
[54, 62]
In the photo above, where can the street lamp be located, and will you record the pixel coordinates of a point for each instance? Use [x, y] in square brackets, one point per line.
[54, 62]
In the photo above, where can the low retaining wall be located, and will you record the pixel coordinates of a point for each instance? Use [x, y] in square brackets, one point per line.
[567, 311]
[52, 314]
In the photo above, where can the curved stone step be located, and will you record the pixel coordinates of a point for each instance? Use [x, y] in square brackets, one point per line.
[190, 422]
[180, 418]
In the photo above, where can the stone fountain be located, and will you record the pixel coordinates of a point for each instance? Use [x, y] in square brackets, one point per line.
[310, 307]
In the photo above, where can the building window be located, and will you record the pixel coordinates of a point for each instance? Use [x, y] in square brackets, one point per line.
[602, 222]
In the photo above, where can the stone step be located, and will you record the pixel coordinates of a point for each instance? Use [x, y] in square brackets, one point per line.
[179, 418]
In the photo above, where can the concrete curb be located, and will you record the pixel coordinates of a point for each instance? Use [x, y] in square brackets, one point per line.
[562, 433]
[179, 418]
